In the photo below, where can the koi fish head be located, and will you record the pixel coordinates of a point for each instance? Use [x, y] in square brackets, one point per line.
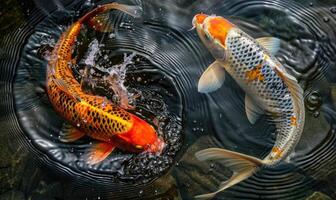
[141, 137]
[213, 31]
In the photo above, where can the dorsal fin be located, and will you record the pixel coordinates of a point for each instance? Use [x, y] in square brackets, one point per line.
[272, 44]
[62, 85]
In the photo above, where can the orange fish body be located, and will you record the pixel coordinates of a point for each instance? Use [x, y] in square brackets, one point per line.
[94, 116]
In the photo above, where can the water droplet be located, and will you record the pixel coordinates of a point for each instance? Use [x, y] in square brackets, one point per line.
[316, 114]
[78, 125]
[313, 101]
[112, 35]
[325, 19]
[140, 192]
[333, 10]
[311, 4]
[194, 121]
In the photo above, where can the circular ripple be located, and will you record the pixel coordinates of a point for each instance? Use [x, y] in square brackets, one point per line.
[160, 100]
[173, 58]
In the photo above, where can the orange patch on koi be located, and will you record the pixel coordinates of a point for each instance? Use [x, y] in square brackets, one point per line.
[277, 151]
[255, 74]
[218, 28]
[293, 121]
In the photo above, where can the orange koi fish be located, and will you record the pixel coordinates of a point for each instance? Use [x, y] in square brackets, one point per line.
[91, 115]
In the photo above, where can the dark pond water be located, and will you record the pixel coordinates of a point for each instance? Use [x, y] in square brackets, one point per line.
[167, 61]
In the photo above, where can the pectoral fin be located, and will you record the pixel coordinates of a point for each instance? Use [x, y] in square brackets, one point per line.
[253, 111]
[69, 133]
[272, 44]
[212, 79]
[98, 152]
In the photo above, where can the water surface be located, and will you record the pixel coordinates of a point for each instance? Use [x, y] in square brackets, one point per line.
[168, 61]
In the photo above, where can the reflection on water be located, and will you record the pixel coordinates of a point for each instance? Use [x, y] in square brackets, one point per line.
[163, 75]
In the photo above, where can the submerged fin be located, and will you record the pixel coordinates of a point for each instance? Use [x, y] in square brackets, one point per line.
[272, 44]
[212, 79]
[101, 23]
[243, 166]
[253, 111]
[134, 11]
[65, 88]
[98, 152]
[69, 133]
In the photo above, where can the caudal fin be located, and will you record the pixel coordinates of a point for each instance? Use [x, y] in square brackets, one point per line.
[102, 22]
[243, 166]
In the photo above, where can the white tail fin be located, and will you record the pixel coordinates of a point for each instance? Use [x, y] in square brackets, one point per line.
[243, 166]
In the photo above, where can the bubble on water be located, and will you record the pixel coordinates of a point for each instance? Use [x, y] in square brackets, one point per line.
[326, 19]
[112, 35]
[333, 10]
[313, 101]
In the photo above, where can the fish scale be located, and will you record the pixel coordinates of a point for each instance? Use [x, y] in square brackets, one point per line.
[269, 89]
[243, 56]
[66, 104]
[93, 115]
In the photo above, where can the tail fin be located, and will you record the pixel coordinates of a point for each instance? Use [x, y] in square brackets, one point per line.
[99, 17]
[243, 166]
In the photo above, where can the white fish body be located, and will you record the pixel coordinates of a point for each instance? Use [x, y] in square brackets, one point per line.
[269, 90]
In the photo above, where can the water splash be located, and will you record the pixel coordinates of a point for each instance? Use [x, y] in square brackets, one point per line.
[114, 78]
